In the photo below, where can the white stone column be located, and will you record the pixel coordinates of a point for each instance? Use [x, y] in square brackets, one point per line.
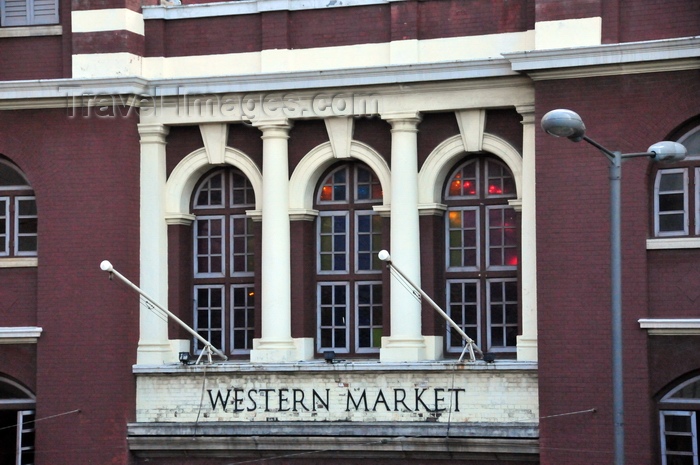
[276, 343]
[406, 341]
[527, 341]
[154, 346]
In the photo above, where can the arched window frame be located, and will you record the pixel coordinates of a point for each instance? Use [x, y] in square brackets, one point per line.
[349, 291]
[481, 275]
[679, 423]
[18, 214]
[223, 262]
[676, 193]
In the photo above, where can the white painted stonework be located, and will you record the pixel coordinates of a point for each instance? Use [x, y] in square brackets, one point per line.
[504, 392]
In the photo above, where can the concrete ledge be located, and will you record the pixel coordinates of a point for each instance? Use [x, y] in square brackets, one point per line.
[20, 334]
[501, 442]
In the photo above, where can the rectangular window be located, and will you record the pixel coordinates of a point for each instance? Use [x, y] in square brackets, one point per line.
[25, 226]
[28, 12]
[463, 303]
[679, 438]
[671, 202]
[242, 253]
[4, 226]
[242, 318]
[501, 238]
[209, 315]
[333, 243]
[463, 238]
[369, 316]
[333, 307]
[25, 437]
[369, 241]
[210, 247]
[502, 304]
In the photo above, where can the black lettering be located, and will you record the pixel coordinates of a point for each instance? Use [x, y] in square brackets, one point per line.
[219, 398]
[456, 392]
[237, 400]
[439, 399]
[419, 400]
[266, 393]
[398, 400]
[282, 399]
[381, 399]
[299, 401]
[362, 399]
[321, 402]
[250, 397]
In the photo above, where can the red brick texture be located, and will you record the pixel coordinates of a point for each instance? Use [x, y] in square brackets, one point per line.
[85, 175]
[573, 261]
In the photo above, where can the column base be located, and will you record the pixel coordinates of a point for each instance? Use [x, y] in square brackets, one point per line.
[434, 347]
[290, 350]
[396, 349]
[527, 349]
[155, 353]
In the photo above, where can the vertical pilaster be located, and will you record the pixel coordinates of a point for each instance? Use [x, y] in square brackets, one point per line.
[154, 347]
[406, 341]
[276, 343]
[527, 341]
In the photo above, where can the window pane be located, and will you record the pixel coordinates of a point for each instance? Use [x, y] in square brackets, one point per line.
[210, 193]
[369, 315]
[671, 182]
[464, 182]
[242, 317]
[332, 254]
[209, 245]
[500, 181]
[332, 317]
[462, 307]
[462, 238]
[674, 222]
[209, 315]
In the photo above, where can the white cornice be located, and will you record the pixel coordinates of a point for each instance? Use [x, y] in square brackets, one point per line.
[609, 59]
[20, 334]
[671, 326]
[73, 93]
[174, 10]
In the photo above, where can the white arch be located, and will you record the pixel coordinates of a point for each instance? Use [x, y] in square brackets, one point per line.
[180, 184]
[441, 160]
[307, 173]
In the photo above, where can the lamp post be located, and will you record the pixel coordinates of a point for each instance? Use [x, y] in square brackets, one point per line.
[566, 123]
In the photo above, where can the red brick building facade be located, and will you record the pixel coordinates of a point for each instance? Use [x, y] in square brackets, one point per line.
[244, 162]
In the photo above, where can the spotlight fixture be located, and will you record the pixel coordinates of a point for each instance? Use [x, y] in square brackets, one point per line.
[184, 357]
[489, 357]
[329, 356]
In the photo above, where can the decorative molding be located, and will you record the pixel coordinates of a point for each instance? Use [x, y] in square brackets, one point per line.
[215, 136]
[340, 131]
[471, 127]
[671, 326]
[19, 262]
[608, 59]
[20, 334]
[31, 31]
[668, 243]
[175, 10]
[431, 209]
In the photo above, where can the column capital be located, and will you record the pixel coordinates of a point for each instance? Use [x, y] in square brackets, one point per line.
[527, 112]
[153, 133]
[403, 121]
[274, 127]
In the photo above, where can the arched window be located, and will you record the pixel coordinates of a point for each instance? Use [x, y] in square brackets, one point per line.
[677, 193]
[679, 426]
[349, 234]
[18, 215]
[16, 423]
[482, 255]
[224, 295]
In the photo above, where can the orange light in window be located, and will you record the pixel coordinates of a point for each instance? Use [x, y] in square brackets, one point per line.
[326, 193]
[495, 189]
[251, 294]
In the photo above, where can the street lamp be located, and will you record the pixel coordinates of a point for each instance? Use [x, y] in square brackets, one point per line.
[566, 123]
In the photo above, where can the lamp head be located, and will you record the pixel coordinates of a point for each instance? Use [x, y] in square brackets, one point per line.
[668, 152]
[106, 266]
[564, 123]
[384, 256]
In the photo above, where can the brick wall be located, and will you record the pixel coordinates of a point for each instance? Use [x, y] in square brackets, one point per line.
[573, 259]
